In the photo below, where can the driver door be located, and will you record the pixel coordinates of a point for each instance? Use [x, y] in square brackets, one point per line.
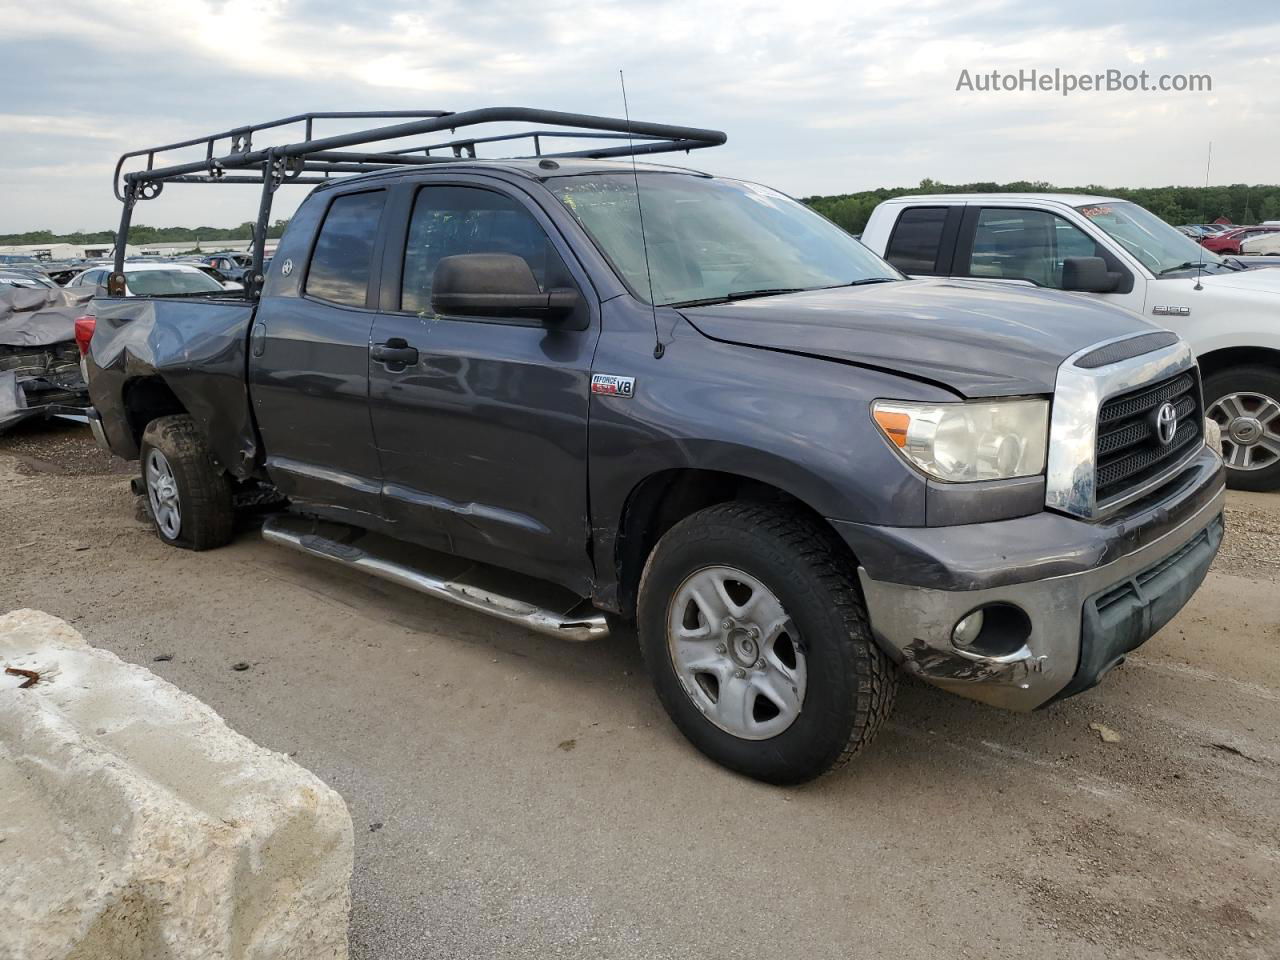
[1027, 246]
[481, 422]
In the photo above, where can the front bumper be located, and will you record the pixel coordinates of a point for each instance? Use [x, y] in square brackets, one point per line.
[1090, 591]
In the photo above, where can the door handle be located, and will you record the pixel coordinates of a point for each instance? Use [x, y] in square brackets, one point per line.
[394, 351]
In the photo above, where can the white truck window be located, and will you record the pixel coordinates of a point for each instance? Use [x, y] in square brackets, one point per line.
[913, 248]
[1011, 244]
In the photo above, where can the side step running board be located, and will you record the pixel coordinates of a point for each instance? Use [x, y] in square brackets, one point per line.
[361, 551]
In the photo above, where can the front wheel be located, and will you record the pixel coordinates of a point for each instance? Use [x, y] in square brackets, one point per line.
[756, 638]
[1245, 403]
[188, 498]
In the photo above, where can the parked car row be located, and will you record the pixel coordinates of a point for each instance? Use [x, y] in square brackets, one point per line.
[226, 268]
[157, 278]
[1197, 230]
[1243, 240]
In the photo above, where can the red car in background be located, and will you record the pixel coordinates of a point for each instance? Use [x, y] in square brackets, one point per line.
[1228, 241]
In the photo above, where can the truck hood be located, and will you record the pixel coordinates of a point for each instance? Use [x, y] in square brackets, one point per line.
[1259, 279]
[979, 340]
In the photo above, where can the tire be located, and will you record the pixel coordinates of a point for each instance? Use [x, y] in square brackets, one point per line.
[200, 492]
[845, 683]
[1236, 393]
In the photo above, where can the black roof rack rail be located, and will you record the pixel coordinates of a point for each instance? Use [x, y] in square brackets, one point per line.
[230, 156]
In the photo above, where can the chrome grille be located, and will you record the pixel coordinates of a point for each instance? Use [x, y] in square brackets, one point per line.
[1129, 450]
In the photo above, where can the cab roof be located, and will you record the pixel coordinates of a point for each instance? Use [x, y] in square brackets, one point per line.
[533, 168]
[1066, 199]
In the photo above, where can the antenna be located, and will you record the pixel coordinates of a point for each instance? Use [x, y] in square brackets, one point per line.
[658, 348]
[1200, 265]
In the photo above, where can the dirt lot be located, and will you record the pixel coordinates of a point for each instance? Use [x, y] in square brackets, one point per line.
[516, 797]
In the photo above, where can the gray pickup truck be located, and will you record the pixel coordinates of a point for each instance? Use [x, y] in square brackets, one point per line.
[649, 394]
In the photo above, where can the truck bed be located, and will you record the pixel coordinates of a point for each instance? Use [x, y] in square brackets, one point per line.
[193, 347]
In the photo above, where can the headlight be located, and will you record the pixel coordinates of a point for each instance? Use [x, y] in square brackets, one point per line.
[960, 442]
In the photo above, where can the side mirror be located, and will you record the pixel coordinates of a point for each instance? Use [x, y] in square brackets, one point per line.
[1088, 275]
[496, 285]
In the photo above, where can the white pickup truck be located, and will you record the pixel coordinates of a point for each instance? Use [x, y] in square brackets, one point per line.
[1119, 252]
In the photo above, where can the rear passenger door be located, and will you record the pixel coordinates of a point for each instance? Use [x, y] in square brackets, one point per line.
[309, 367]
[482, 428]
[923, 240]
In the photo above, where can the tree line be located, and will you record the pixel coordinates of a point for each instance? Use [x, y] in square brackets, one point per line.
[1240, 203]
[140, 234]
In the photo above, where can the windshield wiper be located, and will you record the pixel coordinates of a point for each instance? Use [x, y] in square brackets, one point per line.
[1189, 265]
[739, 295]
[863, 282]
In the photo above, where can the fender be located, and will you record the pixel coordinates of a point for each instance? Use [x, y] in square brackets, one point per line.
[196, 348]
[797, 423]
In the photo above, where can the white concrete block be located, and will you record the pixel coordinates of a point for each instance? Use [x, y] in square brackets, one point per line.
[136, 825]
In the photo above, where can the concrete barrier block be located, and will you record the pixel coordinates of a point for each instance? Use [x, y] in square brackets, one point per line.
[136, 825]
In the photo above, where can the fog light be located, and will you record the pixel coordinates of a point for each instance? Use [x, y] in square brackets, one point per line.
[967, 629]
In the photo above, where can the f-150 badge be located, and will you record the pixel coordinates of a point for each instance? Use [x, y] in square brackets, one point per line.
[610, 386]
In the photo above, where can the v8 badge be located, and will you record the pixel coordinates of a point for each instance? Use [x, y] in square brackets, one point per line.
[608, 385]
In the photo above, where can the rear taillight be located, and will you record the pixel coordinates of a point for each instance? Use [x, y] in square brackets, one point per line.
[84, 332]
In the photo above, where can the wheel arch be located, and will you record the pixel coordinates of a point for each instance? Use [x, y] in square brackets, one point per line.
[662, 499]
[145, 399]
[1224, 358]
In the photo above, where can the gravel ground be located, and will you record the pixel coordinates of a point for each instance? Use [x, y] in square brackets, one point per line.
[518, 797]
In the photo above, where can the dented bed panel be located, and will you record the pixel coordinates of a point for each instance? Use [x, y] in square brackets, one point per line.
[196, 348]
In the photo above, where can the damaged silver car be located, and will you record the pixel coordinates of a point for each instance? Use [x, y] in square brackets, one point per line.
[40, 373]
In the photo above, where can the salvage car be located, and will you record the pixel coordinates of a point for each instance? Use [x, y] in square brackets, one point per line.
[11, 278]
[40, 373]
[1117, 252]
[1229, 241]
[232, 266]
[151, 278]
[1262, 244]
[649, 394]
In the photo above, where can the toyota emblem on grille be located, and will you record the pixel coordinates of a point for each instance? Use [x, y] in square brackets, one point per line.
[1166, 422]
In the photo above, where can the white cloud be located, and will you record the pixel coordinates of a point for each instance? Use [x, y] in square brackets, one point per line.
[816, 96]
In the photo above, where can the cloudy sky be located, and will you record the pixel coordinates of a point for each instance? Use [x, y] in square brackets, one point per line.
[817, 96]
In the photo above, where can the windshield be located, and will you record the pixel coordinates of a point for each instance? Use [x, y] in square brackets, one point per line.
[1160, 247]
[711, 239]
[159, 283]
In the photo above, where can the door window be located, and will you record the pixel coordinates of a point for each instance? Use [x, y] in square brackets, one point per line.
[343, 256]
[1026, 245]
[913, 247]
[447, 221]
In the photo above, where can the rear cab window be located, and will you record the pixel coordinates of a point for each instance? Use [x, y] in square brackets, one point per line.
[343, 256]
[916, 241]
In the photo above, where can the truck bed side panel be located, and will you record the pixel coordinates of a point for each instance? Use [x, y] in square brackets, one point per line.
[197, 348]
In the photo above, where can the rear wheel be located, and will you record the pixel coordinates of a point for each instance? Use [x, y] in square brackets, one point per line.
[188, 498]
[1245, 403]
[756, 638]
